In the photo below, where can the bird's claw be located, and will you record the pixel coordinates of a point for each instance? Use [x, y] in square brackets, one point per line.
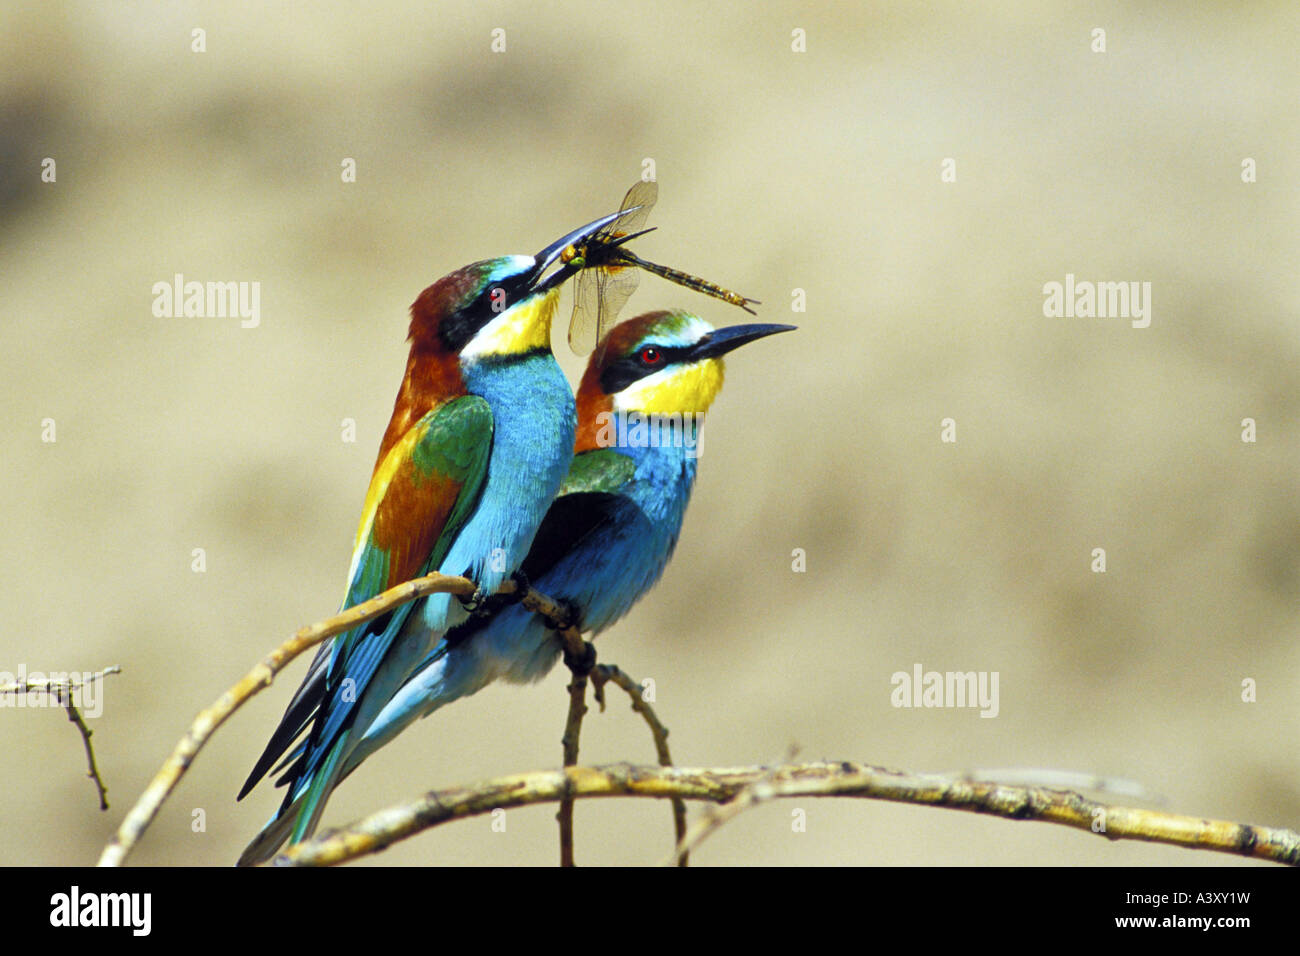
[581, 664]
[571, 615]
[522, 587]
[474, 603]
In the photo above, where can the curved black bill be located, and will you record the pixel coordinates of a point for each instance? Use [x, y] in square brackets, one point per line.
[552, 252]
[722, 341]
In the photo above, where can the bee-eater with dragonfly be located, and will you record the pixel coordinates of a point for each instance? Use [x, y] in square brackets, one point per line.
[479, 442]
[611, 530]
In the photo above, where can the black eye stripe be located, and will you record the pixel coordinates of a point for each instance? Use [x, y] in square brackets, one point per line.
[619, 375]
[463, 324]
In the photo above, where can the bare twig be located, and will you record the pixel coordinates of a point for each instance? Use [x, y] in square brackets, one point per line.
[744, 787]
[62, 691]
[572, 730]
[1064, 808]
[580, 656]
[259, 678]
[609, 673]
[759, 791]
[53, 685]
[1063, 780]
[74, 715]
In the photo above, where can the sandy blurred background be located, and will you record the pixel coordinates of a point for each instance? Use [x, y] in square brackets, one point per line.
[778, 171]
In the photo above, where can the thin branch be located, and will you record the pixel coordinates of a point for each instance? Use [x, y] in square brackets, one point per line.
[572, 730]
[62, 690]
[579, 656]
[956, 791]
[609, 673]
[1063, 780]
[256, 680]
[48, 685]
[1065, 808]
[74, 715]
[759, 791]
[261, 676]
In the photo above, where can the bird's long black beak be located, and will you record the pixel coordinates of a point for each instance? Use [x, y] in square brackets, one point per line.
[721, 341]
[547, 256]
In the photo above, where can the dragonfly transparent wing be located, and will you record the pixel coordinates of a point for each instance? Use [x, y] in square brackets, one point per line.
[642, 194]
[602, 289]
[585, 321]
[599, 296]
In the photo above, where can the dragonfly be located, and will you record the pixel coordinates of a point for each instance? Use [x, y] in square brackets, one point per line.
[609, 275]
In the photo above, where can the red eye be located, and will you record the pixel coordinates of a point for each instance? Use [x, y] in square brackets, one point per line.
[651, 355]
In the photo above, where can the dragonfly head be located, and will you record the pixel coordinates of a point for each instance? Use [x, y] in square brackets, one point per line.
[575, 256]
[571, 251]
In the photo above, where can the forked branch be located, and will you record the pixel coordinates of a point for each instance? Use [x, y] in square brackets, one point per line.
[720, 785]
[256, 680]
[64, 690]
[735, 788]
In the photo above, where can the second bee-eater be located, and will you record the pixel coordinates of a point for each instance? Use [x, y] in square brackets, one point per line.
[611, 530]
[479, 442]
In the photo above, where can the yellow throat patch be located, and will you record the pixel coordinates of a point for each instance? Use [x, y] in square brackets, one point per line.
[689, 390]
[521, 328]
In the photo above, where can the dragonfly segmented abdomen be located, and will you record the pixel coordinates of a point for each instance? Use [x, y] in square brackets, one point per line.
[699, 285]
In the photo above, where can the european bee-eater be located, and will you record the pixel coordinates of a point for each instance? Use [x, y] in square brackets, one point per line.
[611, 530]
[480, 440]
